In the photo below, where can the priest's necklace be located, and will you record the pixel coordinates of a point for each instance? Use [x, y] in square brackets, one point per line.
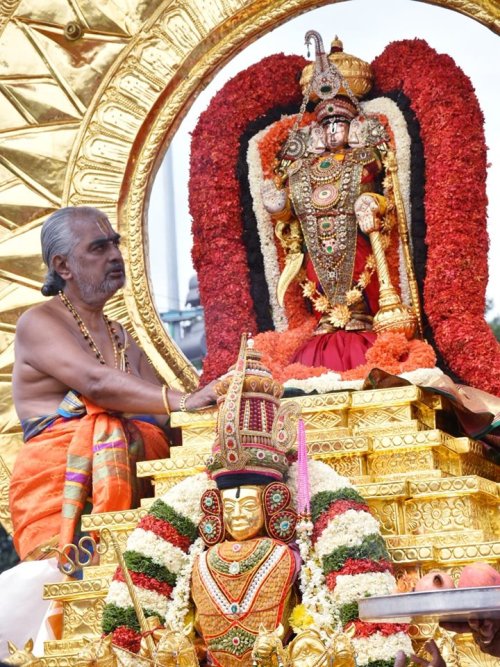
[119, 350]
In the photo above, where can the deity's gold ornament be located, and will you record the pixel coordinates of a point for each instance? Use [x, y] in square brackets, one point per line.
[355, 71]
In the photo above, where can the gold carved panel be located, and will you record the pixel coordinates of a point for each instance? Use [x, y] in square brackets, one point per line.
[323, 421]
[443, 515]
[389, 513]
[348, 466]
[82, 618]
[317, 446]
[380, 416]
[401, 463]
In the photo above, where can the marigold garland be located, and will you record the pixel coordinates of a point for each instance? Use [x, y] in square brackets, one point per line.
[394, 354]
[277, 349]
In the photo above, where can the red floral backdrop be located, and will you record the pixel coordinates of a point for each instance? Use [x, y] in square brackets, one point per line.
[451, 125]
[218, 253]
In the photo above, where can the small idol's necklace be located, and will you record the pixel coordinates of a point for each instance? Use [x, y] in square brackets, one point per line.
[119, 350]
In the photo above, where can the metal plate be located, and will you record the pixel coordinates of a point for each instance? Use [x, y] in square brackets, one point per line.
[455, 604]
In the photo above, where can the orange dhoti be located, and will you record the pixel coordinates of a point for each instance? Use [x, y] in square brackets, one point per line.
[89, 457]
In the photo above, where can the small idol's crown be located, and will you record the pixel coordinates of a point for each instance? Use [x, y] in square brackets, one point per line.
[254, 430]
[355, 71]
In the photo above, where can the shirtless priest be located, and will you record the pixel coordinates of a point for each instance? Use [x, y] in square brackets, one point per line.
[76, 375]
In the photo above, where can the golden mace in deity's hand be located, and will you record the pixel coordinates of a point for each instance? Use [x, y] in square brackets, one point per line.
[392, 315]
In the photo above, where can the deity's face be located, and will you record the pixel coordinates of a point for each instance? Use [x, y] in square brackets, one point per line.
[357, 133]
[316, 144]
[336, 133]
[307, 649]
[243, 512]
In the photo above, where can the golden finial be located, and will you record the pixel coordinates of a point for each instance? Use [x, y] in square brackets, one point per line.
[355, 71]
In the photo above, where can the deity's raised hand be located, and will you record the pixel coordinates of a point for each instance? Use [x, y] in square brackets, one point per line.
[274, 199]
[367, 212]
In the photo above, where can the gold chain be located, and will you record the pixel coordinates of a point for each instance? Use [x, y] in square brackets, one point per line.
[119, 352]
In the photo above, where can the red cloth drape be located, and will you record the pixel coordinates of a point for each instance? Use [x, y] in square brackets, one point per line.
[338, 351]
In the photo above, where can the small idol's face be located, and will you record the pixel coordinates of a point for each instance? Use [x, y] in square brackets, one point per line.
[307, 649]
[336, 133]
[243, 512]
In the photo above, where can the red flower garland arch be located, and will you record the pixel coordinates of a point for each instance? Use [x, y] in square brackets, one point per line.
[451, 126]
[218, 253]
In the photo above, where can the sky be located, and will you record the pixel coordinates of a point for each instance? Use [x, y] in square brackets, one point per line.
[365, 27]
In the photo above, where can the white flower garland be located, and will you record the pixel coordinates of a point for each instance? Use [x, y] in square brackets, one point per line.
[328, 382]
[185, 499]
[323, 384]
[323, 605]
[315, 596]
[380, 647]
[159, 550]
[322, 477]
[120, 596]
[265, 229]
[352, 587]
[178, 605]
[185, 496]
[348, 529]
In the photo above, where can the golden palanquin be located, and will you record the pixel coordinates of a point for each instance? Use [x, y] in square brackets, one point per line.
[435, 495]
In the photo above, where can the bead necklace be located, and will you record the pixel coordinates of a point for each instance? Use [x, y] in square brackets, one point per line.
[119, 350]
[218, 563]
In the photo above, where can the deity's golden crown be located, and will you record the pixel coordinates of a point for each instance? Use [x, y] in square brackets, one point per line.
[355, 71]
